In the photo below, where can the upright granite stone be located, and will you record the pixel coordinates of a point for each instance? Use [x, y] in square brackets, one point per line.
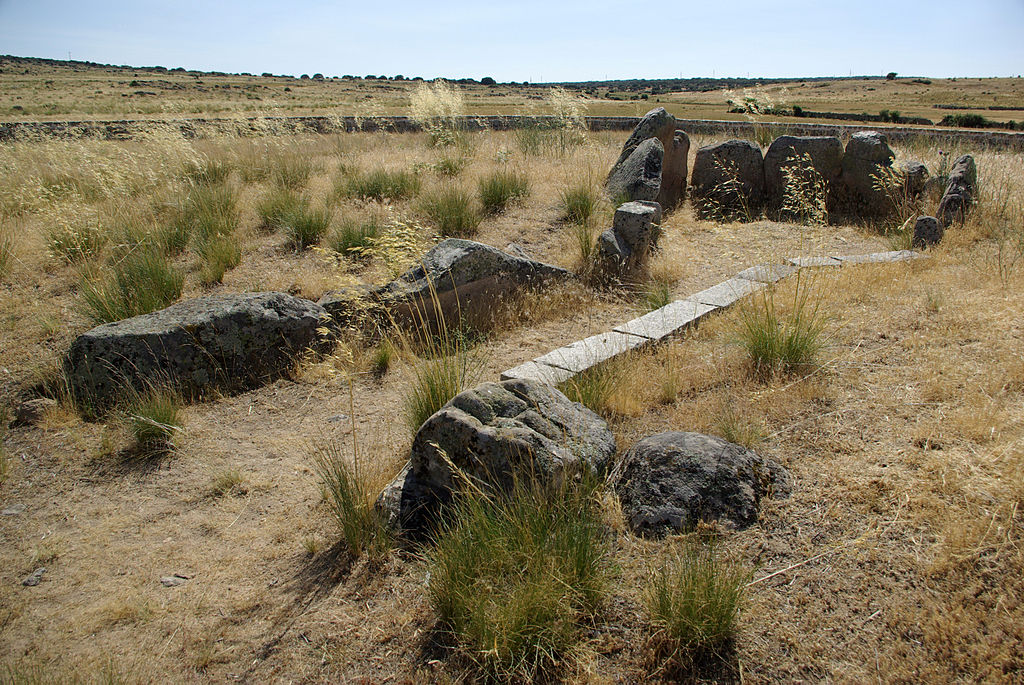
[865, 162]
[824, 155]
[495, 434]
[674, 171]
[728, 180]
[960, 193]
[220, 342]
[634, 232]
[927, 232]
[461, 279]
[638, 177]
[657, 123]
[671, 481]
[915, 178]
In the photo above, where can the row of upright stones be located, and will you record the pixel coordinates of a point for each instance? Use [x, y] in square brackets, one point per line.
[734, 180]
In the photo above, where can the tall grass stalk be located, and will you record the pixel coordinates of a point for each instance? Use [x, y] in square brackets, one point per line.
[141, 282]
[380, 184]
[579, 202]
[6, 253]
[501, 188]
[154, 418]
[438, 107]
[778, 338]
[452, 211]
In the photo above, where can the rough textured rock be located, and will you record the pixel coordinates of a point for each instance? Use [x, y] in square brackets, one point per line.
[638, 177]
[633, 234]
[670, 481]
[657, 123]
[826, 156]
[915, 178]
[495, 433]
[866, 158]
[223, 342]
[466, 277]
[960, 193]
[728, 180]
[674, 170]
[927, 231]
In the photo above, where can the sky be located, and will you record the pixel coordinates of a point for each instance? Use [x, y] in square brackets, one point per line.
[530, 40]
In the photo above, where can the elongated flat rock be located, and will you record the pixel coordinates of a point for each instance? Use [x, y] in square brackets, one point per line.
[582, 354]
[803, 262]
[879, 257]
[726, 292]
[767, 273]
[537, 372]
[666, 321]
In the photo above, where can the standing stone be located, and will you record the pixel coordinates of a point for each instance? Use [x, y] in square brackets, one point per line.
[927, 231]
[657, 123]
[864, 167]
[960, 193]
[638, 177]
[674, 171]
[826, 158]
[671, 481]
[728, 180]
[626, 245]
[915, 178]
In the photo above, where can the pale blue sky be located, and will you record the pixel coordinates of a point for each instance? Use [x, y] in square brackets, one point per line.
[533, 40]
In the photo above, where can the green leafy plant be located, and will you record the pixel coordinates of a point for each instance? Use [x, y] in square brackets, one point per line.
[501, 188]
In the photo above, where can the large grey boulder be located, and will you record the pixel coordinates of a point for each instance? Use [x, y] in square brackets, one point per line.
[671, 481]
[674, 171]
[657, 123]
[461, 279]
[635, 230]
[961, 192]
[865, 164]
[495, 434]
[222, 342]
[825, 156]
[728, 180]
[638, 177]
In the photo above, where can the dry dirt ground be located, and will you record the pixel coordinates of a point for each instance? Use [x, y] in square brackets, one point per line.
[898, 557]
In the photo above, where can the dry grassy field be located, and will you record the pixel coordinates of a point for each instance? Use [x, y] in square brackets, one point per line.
[898, 557]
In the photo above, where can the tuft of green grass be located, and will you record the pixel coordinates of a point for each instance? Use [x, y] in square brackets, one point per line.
[449, 166]
[382, 357]
[306, 226]
[220, 255]
[596, 387]
[210, 211]
[693, 600]
[351, 500]
[501, 188]
[208, 172]
[736, 427]
[227, 482]
[512, 577]
[141, 282]
[656, 294]
[172, 237]
[778, 340]
[76, 242]
[292, 171]
[381, 184]
[154, 419]
[276, 206]
[453, 212]
[579, 202]
[353, 235]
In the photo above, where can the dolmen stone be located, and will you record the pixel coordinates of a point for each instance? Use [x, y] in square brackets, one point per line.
[220, 342]
[825, 154]
[671, 481]
[657, 123]
[915, 178]
[674, 170]
[960, 193]
[493, 435]
[927, 231]
[634, 233]
[456, 279]
[728, 180]
[675, 146]
[865, 162]
[638, 177]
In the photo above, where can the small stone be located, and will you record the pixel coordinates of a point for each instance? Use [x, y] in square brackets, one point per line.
[31, 412]
[927, 231]
[175, 580]
[14, 510]
[34, 578]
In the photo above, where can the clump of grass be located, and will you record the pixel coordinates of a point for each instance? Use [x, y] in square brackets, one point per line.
[141, 282]
[226, 482]
[305, 226]
[351, 500]
[438, 107]
[276, 206]
[596, 388]
[656, 294]
[154, 419]
[736, 427]
[381, 184]
[352, 235]
[292, 171]
[693, 600]
[210, 211]
[585, 242]
[172, 237]
[778, 340]
[75, 241]
[220, 255]
[206, 172]
[449, 166]
[501, 188]
[512, 576]
[579, 202]
[453, 212]
[382, 357]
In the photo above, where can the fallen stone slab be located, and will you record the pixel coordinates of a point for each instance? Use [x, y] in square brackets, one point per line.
[221, 342]
[582, 354]
[810, 262]
[666, 321]
[879, 257]
[535, 371]
[767, 273]
[727, 292]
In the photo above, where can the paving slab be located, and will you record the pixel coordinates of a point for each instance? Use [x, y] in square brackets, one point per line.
[537, 372]
[666, 321]
[879, 257]
[726, 292]
[767, 273]
[582, 354]
[814, 261]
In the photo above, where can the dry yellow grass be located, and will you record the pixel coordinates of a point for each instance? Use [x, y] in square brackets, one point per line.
[903, 536]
